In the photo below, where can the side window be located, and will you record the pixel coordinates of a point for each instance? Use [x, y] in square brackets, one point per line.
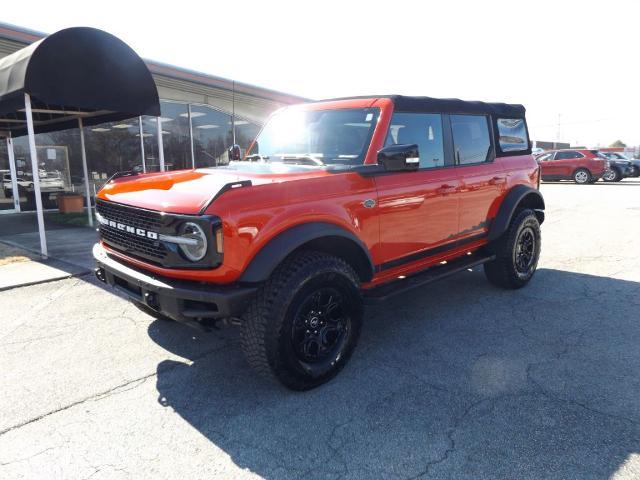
[513, 134]
[471, 142]
[423, 129]
[568, 155]
[545, 157]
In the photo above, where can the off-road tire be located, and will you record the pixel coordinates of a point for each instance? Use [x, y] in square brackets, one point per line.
[503, 271]
[616, 176]
[582, 176]
[271, 317]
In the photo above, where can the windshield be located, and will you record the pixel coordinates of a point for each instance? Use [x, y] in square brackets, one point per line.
[316, 137]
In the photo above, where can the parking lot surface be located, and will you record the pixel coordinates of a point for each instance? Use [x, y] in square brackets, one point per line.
[454, 380]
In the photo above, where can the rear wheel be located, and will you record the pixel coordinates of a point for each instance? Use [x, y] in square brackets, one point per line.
[305, 321]
[582, 176]
[517, 252]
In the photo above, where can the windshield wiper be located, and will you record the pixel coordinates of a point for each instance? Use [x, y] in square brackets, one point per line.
[302, 159]
[256, 156]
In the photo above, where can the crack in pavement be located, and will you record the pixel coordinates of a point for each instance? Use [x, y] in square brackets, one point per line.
[111, 391]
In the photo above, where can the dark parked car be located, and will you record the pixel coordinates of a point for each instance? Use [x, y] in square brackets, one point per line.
[618, 168]
[632, 167]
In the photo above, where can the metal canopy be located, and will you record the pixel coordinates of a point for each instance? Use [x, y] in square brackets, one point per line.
[74, 73]
[73, 78]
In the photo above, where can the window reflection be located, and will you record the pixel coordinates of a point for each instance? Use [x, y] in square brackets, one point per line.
[212, 136]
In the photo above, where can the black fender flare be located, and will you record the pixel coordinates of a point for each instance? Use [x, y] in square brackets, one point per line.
[282, 245]
[520, 194]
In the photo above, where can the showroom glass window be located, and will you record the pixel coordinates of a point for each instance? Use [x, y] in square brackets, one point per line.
[423, 129]
[175, 135]
[471, 141]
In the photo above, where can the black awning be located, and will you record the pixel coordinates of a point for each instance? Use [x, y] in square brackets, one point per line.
[75, 73]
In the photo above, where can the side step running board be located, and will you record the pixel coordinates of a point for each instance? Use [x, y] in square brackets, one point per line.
[437, 272]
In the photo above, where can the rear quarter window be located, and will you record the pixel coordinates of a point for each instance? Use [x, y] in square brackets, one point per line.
[512, 134]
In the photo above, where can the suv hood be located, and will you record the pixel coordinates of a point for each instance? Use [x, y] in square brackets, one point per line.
[188, 191]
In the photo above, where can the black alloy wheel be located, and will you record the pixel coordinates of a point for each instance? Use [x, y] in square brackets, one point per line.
[524, 253]
[304, 323]
[320, 327]
[516, 252]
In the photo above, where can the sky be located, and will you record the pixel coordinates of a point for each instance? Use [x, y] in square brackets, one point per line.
[575, 66]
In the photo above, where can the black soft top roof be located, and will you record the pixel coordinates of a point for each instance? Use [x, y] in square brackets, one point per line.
[449, 105]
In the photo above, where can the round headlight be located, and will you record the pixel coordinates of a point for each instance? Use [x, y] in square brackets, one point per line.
[197, 248]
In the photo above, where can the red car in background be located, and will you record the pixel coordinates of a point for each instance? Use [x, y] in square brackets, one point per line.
[580, 165]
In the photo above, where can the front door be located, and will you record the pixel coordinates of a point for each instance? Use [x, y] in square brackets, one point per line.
[9, 203]
[418, 210]
[547, 167]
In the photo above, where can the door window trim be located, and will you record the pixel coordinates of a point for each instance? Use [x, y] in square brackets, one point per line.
[447, 142]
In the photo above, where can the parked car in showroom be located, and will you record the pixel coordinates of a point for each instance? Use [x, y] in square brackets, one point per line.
[24, 184]
[583, 166]
[626, 166]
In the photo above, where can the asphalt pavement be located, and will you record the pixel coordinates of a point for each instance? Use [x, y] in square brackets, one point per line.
[454, 380]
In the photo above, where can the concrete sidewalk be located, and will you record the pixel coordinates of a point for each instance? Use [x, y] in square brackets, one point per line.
[71, 245]
[69, 252]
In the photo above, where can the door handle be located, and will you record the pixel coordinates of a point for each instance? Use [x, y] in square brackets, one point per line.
[445, 189]
[497, 181]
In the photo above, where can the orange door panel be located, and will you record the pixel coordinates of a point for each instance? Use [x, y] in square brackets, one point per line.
[417, 210]
[481, 185]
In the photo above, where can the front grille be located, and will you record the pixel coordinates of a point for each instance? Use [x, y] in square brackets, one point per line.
[136, 232]
[126, 241]
[131, 216]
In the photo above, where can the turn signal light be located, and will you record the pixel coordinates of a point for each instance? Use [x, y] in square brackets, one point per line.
[219, 240]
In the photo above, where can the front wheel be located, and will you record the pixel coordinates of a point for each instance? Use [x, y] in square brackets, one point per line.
[582, 176]
[304, 322]
[612, 175]
[517, 252]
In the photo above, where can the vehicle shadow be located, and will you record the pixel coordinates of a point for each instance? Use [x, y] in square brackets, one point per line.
[455, 380]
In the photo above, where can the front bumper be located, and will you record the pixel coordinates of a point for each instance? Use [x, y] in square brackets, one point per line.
[193, 303]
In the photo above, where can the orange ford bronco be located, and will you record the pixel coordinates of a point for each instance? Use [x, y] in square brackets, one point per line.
[336, 204]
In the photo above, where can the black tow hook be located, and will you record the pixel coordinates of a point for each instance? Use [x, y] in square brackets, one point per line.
[151, 300]
[100, 275]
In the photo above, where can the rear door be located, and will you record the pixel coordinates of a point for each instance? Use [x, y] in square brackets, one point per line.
[482, 178]
[418, 210]
[565, 162]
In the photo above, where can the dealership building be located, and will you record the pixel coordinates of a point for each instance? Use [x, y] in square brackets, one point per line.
[201, 115]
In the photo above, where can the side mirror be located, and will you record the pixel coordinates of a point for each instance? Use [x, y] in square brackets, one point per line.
[234, 152]
[399, 158]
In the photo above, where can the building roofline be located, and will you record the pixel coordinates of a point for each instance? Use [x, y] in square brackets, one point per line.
[27, 36]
